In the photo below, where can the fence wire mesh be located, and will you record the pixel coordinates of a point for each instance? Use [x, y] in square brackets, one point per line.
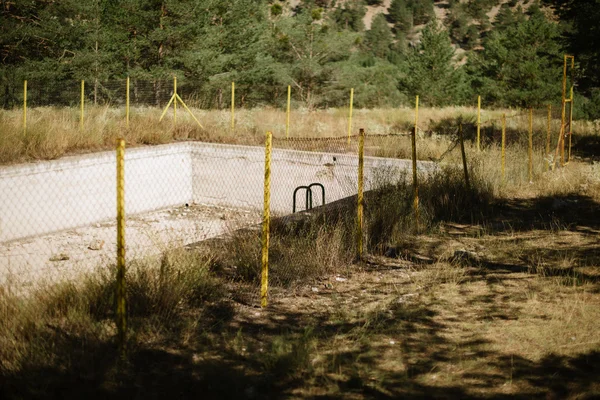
[59, 227]
[58, 224]
[545, 126]
[310, 179]
[146, 93]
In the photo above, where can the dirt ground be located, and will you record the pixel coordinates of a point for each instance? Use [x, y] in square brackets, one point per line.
[504, 307]
[507, 308]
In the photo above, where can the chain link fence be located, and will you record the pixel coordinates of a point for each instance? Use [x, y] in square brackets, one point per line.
[146, 93]
[58, 227]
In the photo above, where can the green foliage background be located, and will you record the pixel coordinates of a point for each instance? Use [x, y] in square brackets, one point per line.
[319, 47]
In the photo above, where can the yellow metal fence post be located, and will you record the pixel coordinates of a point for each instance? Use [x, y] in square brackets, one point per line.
[174, 99]
[171, 100]
[189, 111]
[287, 121]
[416, 112]
[232, 106]
[503, 145]
[464, 157]
[559, 144]
[548, 135]
[175, 102]
[82, 101]
[564, 106]
[570, 123]
[414, 165]
[264, 286]
[359, 209]
[530, 147]
[25, 107]
[127, 104]
[478, 123]
[350, 114]
[571, 108]
[121, 316]
[565, 100]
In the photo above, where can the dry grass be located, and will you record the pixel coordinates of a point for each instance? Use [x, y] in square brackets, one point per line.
[496, 295]
[53, 132]
[514, 322]
[298, 253]
[447, 329]
[34, 329]
[519, 319]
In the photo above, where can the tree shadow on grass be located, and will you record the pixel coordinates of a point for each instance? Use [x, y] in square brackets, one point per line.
[558, 376]
[280, 353]
[533, 220]
[587, 147]
[215, 370]
[571, 212]
[547, 212]
[93, 370]
[490, 134]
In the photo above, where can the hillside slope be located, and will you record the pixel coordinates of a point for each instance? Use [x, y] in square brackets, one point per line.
[442, 11]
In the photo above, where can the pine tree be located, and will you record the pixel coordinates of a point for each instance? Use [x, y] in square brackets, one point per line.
[400, 15]
[472, 37]
[422, 10]
[379, 38]
[457, 24]
[349, 15]
[228, 43]
[520, 64]
[505, 17]
[581, 30]
[431, 71]
[307, 51]
[53, 42]
[375, 83]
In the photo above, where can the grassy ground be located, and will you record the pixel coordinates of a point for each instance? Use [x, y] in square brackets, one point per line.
[501, 301]
[54, 132]
[495, 296]
[508, 307]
